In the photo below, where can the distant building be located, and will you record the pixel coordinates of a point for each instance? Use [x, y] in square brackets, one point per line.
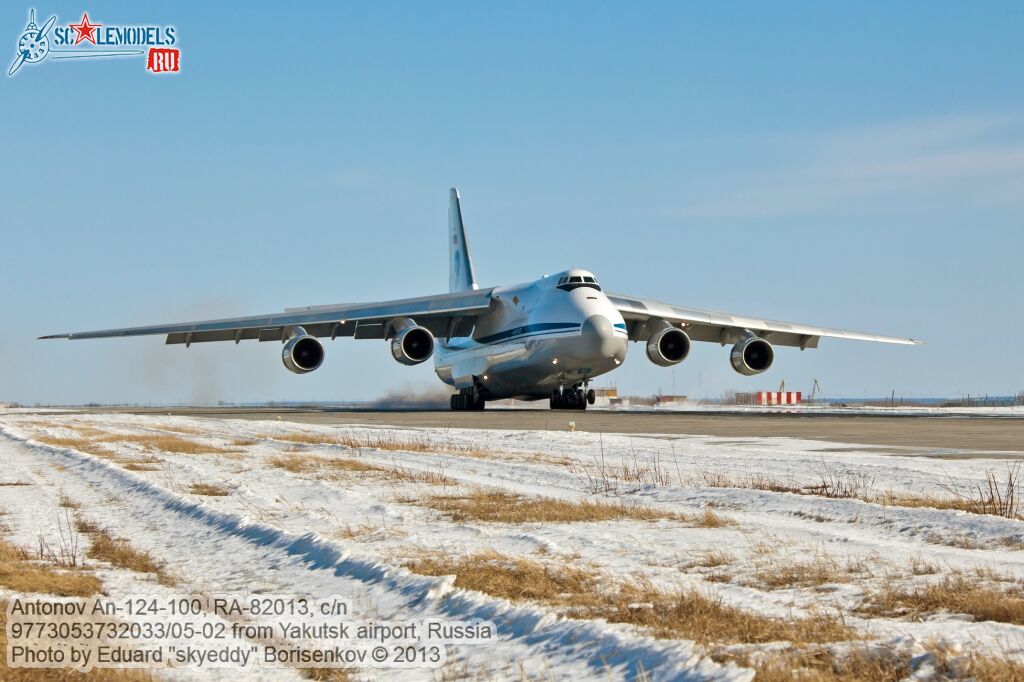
[770, 398]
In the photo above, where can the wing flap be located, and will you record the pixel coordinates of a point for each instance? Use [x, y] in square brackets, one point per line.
[435, 312]
[718, 327]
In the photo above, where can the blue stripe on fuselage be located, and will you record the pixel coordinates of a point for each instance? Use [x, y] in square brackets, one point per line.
[528, 330]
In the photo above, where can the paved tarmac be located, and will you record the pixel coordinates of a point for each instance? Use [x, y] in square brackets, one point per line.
[937, 436]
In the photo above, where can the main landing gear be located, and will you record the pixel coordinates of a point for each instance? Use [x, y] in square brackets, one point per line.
[572, 399]
[467, 399]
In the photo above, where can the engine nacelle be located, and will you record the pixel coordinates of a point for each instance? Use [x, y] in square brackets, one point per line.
[752, 355]
[302, 353]
[668, 345]
[411, 344]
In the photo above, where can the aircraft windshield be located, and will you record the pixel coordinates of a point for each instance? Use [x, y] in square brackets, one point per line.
[569, 283]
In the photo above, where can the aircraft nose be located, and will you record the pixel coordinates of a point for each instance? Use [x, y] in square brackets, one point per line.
[598, 334]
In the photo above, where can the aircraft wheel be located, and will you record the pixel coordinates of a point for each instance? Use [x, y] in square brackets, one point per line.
[557, 400]
[580, 400]
[591, 397]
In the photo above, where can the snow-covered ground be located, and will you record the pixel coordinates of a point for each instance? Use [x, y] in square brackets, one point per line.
[352, 533]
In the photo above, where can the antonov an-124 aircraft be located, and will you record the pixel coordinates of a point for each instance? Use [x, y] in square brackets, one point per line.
[545, 339]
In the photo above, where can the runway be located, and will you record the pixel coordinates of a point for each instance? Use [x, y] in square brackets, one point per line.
[936, 436]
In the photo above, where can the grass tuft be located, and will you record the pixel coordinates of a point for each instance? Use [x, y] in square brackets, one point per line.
[210, 489]
[498, 506]
[384, 441]
[333, 468]
[120, 553]
[956, 593]
[19, 573]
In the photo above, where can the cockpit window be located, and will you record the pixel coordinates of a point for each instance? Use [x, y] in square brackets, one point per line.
[577, 281]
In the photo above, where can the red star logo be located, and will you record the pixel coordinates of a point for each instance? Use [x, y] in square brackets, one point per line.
[85, 30]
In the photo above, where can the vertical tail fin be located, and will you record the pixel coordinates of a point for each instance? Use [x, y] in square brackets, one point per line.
[460, 265]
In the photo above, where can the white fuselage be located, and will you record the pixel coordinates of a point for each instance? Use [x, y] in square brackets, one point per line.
[536, 338]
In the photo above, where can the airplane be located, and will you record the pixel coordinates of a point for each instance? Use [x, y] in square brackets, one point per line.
[546, 339]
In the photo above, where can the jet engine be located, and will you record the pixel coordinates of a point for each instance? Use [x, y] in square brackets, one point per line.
[752, 355]
[411, 344]
[667, 345]
[302, 353]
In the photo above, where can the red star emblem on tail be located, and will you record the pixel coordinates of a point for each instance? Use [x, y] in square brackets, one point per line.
[85, 30]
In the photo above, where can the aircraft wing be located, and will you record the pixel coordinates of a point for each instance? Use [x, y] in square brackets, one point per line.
[445, 315]
[709, 325]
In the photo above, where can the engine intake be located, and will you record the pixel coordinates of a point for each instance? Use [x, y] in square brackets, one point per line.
[302, 353]
[752, 355]
[411, 344]
[668, 345]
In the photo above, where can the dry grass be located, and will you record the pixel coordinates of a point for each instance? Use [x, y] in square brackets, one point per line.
[384, 441]
[141, 466]
[190, 430]
[817, 664]
[120, 553]
[758, 481]
[168, 443]
[210, 489]
[963, 541]
[333, 468]
[67, 503]
[514, 578]
[918, 566]
[691, 614]
[326, 674]
[80, 444]
[20, 573]
[679, 614]
[996, 496]
[812, 572]
[956, 593]
[866, 663]
[99, 446]
[990, 668]
[712, 558]
[498, 506]
[709, 518]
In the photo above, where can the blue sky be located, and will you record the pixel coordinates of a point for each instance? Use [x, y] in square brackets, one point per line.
[851, 165]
